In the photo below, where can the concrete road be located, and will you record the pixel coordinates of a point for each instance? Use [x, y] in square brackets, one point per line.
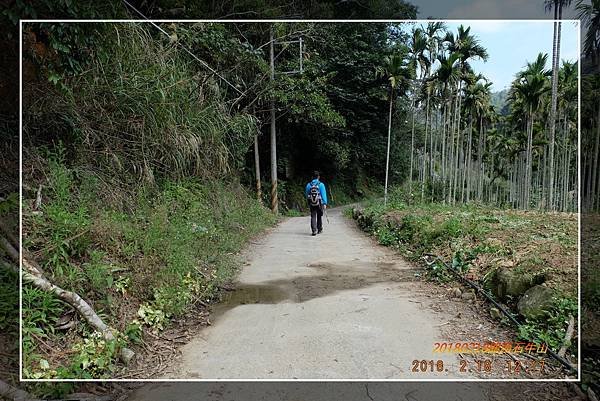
[334, 306]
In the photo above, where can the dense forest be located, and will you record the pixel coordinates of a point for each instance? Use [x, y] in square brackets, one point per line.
[140, 139]
[331, 112]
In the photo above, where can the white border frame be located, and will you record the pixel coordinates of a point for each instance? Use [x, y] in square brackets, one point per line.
[228, 21]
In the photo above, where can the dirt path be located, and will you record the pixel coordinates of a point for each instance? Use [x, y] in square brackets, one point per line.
[335, 306]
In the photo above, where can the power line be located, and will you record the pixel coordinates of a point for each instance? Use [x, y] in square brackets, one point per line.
[184, 48]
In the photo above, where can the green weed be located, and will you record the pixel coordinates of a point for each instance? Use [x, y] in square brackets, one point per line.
[550, 329]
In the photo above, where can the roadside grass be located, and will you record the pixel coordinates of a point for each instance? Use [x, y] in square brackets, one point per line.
[139, 267]
[9, 297]
[590, 300]
[478, 240]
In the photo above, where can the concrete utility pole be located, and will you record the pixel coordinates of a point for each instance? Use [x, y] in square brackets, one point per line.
[257, 169]
[274, 200]
[272, 42]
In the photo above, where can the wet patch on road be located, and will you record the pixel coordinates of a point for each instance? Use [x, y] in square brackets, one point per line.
[329, 278]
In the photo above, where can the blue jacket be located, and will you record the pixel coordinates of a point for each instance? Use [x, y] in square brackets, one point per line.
[321, 189]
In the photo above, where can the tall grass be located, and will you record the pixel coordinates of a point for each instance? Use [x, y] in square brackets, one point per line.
[175, 249]
[142, 110]
[141, 213]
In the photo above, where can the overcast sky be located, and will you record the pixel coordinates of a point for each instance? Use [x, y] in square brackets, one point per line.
[510, 44]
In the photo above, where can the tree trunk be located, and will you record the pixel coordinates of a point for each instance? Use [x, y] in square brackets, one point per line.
[458, 141]
[387, 158]
[528, 163]
[257, 169]
[468, 170]
[594, 165]
[443, 155]
[274, 197]
[555, 66]
[425, 151]
[412, 137]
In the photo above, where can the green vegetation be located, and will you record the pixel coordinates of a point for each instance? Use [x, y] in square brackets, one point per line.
[140, 268]
[145, 228]
[139, 158]
[480, 240]
[136, 188]
[465, 149]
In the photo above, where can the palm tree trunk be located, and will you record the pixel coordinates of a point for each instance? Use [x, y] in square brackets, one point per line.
[480, 166]
[567, 166]
[424, 166]
[443, 155]
[595, 164]
[528, 163]
[412, 138]
[555, 66]
[456, 152]
[469, 156]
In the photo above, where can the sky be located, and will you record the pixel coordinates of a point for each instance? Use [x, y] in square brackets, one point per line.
[473, 9]
[510, 44]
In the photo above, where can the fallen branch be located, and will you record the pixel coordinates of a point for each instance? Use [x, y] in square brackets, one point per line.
[591, 395]
[8, 233]
[9, 249]
[12, 393]
[568, 336]
[33, 274]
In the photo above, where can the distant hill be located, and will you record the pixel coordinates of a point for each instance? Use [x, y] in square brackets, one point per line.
[499, 101]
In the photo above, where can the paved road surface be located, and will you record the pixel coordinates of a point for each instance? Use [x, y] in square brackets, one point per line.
[334, 306]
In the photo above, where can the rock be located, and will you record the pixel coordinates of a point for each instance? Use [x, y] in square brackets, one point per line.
[495, 313]
[535, 302]
[468, 295]
[456, 292]
[512, 283]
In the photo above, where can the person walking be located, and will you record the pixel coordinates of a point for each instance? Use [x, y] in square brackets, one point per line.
[316, 196]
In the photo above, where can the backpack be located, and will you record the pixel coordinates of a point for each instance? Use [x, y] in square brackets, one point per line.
[314, 195]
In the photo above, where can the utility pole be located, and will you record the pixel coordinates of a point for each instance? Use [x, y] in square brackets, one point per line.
[274, 200]
[257, 168]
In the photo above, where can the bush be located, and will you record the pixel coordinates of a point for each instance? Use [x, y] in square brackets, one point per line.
[176, 247]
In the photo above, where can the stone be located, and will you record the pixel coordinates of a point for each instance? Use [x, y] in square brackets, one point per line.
[495, 313]
[468, 295]
[511, 283]
[535, 302]
[456, 292]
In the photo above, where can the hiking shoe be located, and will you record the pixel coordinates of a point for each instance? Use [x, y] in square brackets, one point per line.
[314, 233]
[319, 232]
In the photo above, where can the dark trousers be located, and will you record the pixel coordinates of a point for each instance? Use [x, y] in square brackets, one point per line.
[316, 221]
